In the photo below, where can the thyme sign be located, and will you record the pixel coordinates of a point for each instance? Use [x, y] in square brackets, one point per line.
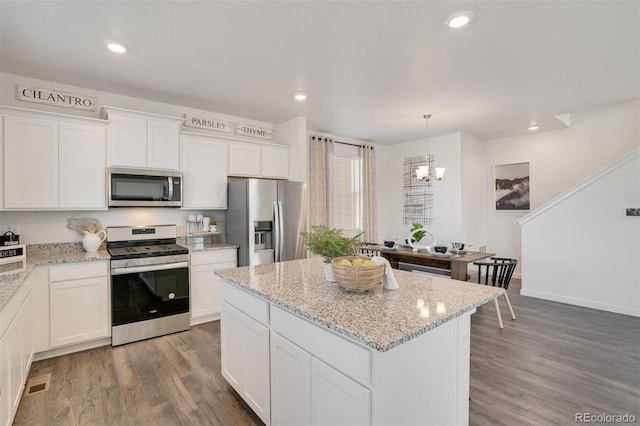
[55, 97]
[256, 132]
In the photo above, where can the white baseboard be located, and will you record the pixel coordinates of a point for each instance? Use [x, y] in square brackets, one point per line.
[581, 302]
[52, 353]
[204, 318]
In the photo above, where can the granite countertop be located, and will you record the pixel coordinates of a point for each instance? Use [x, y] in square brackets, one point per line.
[45, 254]
[380, 319]
[51, 254]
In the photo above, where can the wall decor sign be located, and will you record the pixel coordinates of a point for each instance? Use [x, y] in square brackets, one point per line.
[256, 132]
[55, 97]
[512, 187]
[203, 123]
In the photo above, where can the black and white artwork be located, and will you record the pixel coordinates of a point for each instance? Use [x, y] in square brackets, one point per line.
[512, 187]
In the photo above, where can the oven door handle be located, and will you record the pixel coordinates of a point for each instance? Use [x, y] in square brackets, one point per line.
[149, 268]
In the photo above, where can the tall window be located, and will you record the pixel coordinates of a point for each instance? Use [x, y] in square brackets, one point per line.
[347, 195]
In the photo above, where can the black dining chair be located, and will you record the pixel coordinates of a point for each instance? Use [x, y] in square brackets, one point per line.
[497, 272]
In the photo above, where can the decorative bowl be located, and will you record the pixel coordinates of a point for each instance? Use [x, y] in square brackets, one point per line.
[356, 278]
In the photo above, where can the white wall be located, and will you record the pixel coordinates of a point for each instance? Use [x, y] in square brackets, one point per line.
[474, 191]
[582, 249]
[559, 160]
[447, 210]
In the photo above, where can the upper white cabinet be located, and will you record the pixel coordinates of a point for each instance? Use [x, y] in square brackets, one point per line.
[258, 160]
[143, 140]
[275, 162]
[82, 161]
[30, 162]
[204, 168]
[53, 161]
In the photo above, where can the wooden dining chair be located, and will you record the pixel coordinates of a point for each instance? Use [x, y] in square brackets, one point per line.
[497, 271]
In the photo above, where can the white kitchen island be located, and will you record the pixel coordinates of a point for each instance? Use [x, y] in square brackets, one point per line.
[300, 350]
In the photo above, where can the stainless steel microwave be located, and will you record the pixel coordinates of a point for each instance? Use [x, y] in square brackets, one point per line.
[144, 188]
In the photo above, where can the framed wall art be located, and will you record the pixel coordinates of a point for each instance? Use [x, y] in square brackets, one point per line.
[512, 187]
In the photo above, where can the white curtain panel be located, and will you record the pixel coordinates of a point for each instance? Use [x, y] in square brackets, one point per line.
[369, 210]
[321, 181]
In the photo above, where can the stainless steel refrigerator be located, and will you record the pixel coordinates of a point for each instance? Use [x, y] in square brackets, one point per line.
[266, 218]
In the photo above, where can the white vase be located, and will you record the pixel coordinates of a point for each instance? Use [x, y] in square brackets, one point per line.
[91, 242]
[328, 272]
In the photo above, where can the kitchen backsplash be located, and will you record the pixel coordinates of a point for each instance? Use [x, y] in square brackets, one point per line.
[40, 227]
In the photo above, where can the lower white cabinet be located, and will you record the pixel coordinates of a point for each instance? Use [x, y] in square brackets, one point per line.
[337, 399]
[205, 284]
[305, 390]
[290, 383]
[245, 358]
[79, 302]
[16, 352]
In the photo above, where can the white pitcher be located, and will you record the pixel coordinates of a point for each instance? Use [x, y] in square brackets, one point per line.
[91, 242]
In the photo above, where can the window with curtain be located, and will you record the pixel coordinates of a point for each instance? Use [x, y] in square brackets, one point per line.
[347, 196]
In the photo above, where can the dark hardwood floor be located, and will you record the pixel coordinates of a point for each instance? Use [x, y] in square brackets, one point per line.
[554, 361]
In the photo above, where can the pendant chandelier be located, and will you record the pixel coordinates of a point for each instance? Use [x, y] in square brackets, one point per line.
[425, 173]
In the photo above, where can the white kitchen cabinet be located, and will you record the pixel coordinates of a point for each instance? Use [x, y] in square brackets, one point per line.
[290, 383]
[205, 285]
[82, 163]
[305, 390]
[30, 162]
[204, 167]
[53, 161]
[245, 349]
[143, 140]
[275, 162]
[16, 351]
[337, 399]
[6, 412]
[258, 160]
[244, 159]
[79, 302]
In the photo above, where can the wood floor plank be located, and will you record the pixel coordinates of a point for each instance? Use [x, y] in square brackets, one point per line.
[554, 361]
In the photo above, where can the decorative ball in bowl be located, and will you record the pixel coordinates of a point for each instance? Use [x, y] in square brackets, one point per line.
[357, 274]
[440, 249]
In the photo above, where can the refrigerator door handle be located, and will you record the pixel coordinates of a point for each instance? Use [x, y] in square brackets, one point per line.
[276, 224]
[281, 231]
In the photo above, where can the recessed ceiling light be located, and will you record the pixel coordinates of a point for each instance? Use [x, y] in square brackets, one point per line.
[533, 128]
[117, 47]
[459, 19]
[300, 96]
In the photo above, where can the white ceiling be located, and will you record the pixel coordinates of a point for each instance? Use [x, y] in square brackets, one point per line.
[371, 69]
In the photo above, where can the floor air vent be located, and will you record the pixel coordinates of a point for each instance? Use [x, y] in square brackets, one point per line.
[38, 384]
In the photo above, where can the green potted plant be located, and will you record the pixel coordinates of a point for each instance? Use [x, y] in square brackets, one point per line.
[330, 243]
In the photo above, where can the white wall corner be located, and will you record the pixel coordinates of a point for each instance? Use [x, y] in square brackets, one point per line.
[294, 134]
[565, 119]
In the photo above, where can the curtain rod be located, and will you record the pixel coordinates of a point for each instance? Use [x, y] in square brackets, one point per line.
[353, 144]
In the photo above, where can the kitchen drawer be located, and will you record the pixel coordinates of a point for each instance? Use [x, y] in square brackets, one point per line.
[78, 271]
[213, 256]
[247, 303]
[342, 354]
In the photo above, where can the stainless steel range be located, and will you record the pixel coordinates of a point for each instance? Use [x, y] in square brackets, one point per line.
[149, 282]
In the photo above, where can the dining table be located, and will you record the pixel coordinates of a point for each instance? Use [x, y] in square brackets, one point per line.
[454, 262]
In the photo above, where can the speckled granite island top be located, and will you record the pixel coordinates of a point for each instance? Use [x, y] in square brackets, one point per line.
[380, 319]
